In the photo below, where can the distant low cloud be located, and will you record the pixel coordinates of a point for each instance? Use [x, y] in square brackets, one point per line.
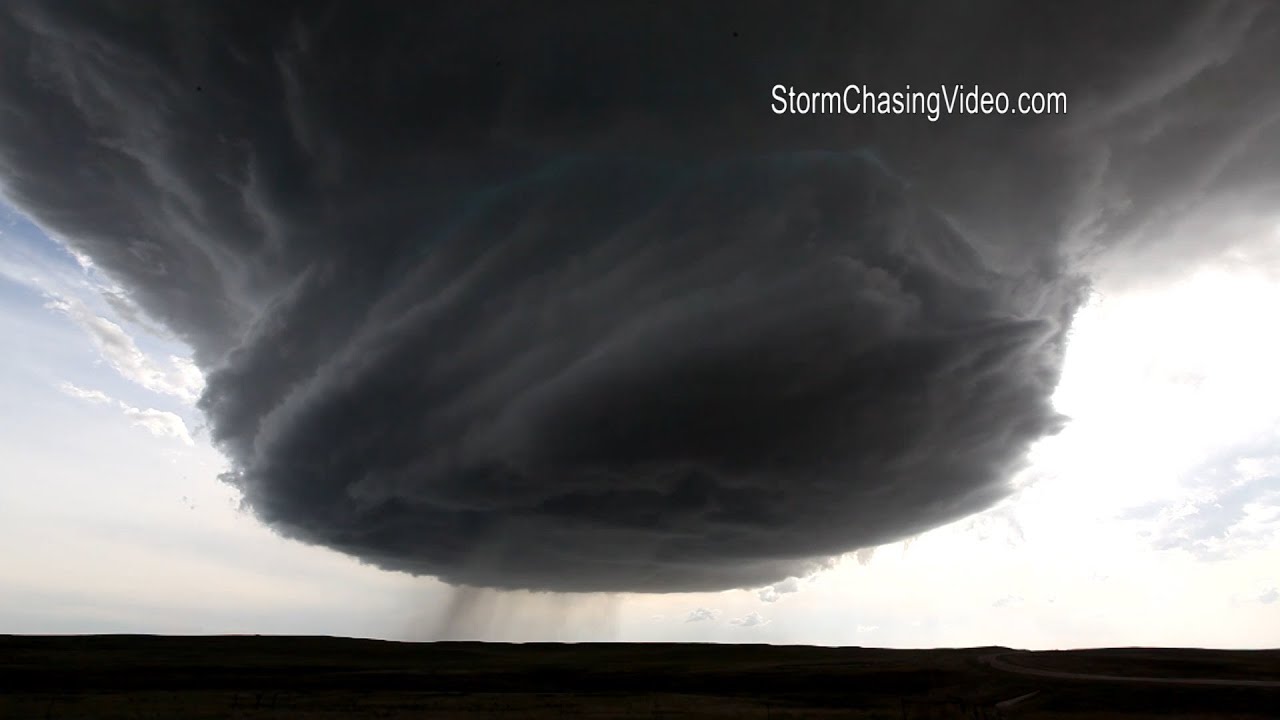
[158, 422]
[702, 615]
[864, 555]
[861, 629]
[1009, 601]
[775, 591]
[1269, 597]
[751, 619]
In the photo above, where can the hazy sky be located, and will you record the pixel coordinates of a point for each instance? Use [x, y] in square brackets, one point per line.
[306, 309]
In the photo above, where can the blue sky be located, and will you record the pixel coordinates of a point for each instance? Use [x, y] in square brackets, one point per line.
[1152, 519]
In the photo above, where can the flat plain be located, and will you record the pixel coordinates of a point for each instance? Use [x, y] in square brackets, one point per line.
[134, 677]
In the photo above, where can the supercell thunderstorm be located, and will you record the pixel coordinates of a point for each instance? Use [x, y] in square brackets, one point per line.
[552, 300]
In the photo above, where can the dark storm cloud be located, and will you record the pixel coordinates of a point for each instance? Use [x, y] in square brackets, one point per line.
[547, 297]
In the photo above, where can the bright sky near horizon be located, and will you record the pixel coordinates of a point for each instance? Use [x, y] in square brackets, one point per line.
[1152, 519]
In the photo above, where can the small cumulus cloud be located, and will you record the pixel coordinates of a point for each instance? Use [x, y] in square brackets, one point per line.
[702, 614]
[774, 592]
[1009, 601]
[94, 396]
[84, 261]
[158, 422]
[751, 619]
[861, 629]
[182, 379]
[1269, 597]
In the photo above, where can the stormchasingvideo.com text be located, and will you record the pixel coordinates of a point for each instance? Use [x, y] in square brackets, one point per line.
[933, 104]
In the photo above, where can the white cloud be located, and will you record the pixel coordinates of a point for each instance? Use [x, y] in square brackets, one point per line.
[701, 614]
[158, 422]
[1009, 601]
[1228, 505]
[182, 379]
[1269, 597]
[93, 396]
[751, 619]
[998, 524]
[867, 628]
[84, 261]
[775, 591]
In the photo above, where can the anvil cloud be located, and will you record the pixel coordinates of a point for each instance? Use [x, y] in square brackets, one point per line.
[547, 297]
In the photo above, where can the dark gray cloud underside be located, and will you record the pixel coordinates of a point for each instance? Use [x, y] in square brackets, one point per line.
[547, 297]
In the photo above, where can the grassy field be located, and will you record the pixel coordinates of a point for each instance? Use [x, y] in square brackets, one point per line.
[143, 677]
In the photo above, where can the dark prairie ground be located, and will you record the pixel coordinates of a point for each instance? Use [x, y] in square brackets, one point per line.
[143, 677]
[1165, 662]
